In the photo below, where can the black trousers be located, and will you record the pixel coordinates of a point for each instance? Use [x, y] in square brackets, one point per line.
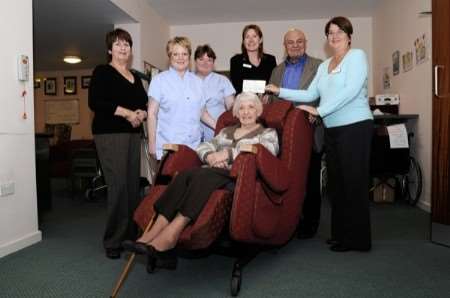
[189, 191]
[119, 155]
[348, 165]
[309, 222]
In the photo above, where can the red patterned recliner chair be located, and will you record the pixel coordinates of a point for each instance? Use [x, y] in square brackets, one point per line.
[265, 206]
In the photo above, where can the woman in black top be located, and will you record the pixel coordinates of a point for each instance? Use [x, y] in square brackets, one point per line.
[253, 63]
[118, 100]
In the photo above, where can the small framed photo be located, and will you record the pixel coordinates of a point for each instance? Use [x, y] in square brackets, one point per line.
[85, 81]
[37, 83]
[50, 86]
[70, 85]
[148, 69]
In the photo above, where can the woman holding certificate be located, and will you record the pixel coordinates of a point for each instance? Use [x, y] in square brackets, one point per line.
[253, 64]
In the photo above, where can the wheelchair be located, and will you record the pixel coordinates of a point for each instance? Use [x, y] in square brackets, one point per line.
[393, 168]
[396, 168]
[261, 212]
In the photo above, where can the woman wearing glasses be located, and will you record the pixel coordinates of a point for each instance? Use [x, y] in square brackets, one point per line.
[341, 84]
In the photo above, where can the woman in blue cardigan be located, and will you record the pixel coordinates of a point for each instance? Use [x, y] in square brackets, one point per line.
[341, 84]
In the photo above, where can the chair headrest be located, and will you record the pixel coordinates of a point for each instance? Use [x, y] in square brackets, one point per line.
[274, 115]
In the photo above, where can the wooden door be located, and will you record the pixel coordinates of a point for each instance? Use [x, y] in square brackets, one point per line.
[440, 201]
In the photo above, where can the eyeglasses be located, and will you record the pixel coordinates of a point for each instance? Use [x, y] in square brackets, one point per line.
[337, 33]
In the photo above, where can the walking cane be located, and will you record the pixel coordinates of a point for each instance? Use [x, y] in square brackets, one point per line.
[130, 261]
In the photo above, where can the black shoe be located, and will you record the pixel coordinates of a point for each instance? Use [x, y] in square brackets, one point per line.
[113, 253]
[331, 241]
[137, 247]
[343, 248]
[339, 248]
[162, 259]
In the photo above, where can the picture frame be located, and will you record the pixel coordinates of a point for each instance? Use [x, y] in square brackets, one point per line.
[150, 70]
[50, 86]
[386, 78]
[85, 82]
[62, 111]
[407, 61]
[37, 83]
[154, 71]
[70, 85]
[421, 49]
[396, 62]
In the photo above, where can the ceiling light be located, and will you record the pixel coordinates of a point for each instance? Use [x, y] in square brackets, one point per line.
[72, 59]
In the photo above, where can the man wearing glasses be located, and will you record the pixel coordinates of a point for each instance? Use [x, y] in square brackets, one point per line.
[297, 72]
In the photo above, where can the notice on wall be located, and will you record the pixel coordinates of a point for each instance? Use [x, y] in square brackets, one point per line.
[398, 136]
[62, 111]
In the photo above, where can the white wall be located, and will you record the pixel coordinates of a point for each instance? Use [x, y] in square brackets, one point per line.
[395, 27]
[225, 38]
[18, 212]
[150, 34]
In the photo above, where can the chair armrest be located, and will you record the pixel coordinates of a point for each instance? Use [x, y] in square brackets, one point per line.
[180, 158]
[249, 148]
[171, 147]
[274, 173]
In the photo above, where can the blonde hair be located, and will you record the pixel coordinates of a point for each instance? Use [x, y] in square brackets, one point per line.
[247, 96]
[181, 41]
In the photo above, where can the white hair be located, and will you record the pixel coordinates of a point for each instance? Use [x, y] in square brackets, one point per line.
[247, 96]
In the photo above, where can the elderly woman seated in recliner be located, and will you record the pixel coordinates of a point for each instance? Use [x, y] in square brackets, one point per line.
[187, 194]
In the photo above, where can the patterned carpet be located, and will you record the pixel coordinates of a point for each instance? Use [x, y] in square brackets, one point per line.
[70, 262]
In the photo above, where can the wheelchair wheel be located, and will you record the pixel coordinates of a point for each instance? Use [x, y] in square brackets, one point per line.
[236, 281]
[323, 179]
[89, 194]
[412, 182]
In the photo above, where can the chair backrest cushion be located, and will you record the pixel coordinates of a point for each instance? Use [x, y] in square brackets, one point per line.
[274, 116]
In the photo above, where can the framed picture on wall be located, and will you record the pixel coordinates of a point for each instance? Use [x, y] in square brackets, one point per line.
[85, 81]
[396, 63]
[407, 61]
[50, 86]
[37, 83]
[70, 85]
[148, 70]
